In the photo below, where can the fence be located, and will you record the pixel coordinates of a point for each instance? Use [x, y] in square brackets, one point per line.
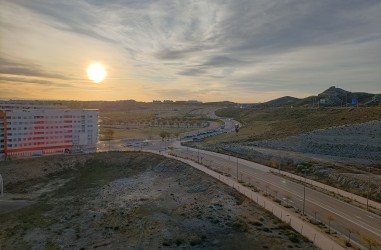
[343, 193]
[310, 232]
[338, 191]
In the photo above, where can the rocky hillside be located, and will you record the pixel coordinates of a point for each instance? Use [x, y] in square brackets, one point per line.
[332, 97]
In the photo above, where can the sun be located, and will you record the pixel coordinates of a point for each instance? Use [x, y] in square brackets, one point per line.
[96, 72]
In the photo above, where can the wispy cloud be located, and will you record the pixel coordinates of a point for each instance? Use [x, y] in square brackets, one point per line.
[249, 46]
[34, 81]
[10, 67]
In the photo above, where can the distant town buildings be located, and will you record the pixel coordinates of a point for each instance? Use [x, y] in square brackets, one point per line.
[35, 130]
[178, 102]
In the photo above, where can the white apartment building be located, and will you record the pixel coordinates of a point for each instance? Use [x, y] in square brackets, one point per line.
[35, 131]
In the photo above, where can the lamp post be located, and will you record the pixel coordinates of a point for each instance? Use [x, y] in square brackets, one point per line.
[237, 167]
[367, 193]
[304, 191]
[198, 154]
[1, 185]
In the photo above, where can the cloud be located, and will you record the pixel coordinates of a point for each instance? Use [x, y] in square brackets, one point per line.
[173, 54]
[69, 16]
[224, 61]
[245, 45]
[10, 67]
[24, 80]
[35, 81]
[192, 72]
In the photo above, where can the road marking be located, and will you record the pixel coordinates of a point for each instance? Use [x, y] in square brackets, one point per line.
[335, 211]
[369, 216]
[358, 217]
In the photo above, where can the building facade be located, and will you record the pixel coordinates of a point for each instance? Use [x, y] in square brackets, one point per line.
[38, 131]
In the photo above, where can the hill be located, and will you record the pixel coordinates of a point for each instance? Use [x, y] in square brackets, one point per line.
[331, 97]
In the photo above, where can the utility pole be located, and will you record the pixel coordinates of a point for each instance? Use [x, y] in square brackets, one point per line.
[367, 194]
[1, 185]
[237, 168]
[198, 154]
[346, 100]
[304, 191]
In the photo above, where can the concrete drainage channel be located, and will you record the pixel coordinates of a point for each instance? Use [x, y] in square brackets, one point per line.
[320, 239]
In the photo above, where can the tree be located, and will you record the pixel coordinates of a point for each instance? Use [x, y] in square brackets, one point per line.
[371, 242]
[350, 232]
[315, 212]
[163, 134]
[108, 136]
[330, 218]
[288, 198]
[266, 187]
[169, 135]
[276, 194]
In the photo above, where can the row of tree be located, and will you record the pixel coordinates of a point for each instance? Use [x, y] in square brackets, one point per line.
[179, 123]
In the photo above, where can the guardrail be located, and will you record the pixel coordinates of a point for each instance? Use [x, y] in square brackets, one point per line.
[317, 237]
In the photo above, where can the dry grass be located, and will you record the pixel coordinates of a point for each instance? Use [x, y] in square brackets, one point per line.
[147, 132]
[148, 120]
[276, 123]
[138, 201]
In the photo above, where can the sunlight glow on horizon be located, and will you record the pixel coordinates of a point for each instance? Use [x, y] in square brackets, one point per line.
[96, 72]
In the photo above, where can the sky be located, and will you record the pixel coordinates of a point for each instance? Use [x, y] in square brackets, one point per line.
[208, 50]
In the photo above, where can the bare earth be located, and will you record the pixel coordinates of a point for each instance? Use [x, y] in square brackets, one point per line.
[358, 141]
[133, 201]
[339, 156]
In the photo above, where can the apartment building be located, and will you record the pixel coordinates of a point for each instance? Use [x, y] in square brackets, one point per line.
[37, 130]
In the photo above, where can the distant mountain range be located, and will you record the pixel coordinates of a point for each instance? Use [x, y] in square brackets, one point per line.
[332, 97]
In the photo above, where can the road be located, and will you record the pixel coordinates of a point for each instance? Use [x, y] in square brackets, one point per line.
[156, 145]
[343, 217]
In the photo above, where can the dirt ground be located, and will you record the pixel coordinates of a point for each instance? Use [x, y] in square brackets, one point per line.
[337, 146]
[359, 141]
[132, 201]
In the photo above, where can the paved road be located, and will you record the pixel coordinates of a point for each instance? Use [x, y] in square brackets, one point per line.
[342, 216]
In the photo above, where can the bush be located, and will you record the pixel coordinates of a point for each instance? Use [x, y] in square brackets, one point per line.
[195, 241]
[293, 238]
[167, 242]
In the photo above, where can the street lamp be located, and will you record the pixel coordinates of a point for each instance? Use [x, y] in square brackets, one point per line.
[304, 191]
[367, 193]
[1, 185]
[198, 154]
[237, 167]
